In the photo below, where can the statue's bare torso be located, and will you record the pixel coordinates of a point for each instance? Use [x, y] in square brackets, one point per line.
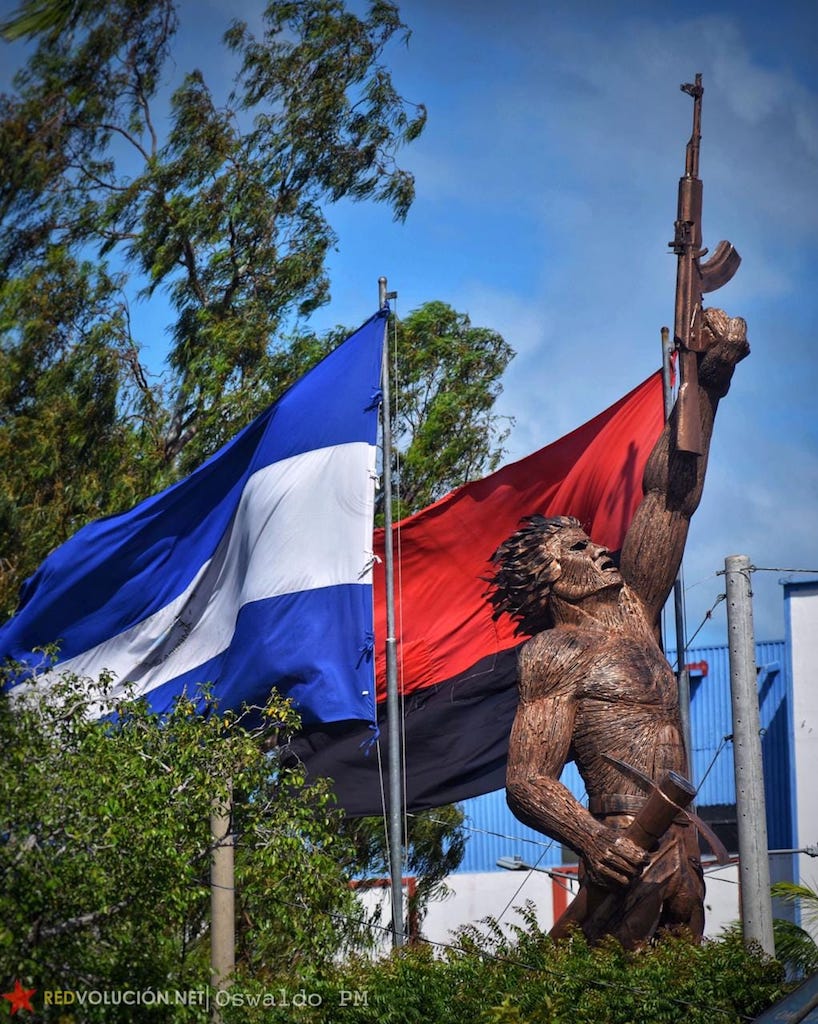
[626, 706]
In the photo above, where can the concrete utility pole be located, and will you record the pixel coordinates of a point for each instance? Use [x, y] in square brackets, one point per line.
[754, 865]
[222, 895]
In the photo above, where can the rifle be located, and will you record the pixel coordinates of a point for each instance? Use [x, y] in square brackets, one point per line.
[693, 279]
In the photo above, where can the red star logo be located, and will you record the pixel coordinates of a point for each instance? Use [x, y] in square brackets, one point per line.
[20, 998]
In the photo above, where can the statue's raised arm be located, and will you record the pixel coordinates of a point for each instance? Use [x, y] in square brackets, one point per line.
[673, 479]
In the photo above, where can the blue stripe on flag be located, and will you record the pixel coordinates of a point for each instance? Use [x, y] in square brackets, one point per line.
[133, 588]
[301, 645]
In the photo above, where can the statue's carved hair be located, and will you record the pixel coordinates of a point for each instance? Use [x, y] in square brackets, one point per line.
[525, 572]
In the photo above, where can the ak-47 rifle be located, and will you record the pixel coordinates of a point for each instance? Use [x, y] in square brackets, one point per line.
[693, 279]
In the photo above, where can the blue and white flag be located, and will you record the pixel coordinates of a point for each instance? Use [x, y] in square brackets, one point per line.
[254, 572]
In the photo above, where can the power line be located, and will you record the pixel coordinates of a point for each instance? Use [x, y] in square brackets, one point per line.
[499, 835]
[761, 568]
[707, 616]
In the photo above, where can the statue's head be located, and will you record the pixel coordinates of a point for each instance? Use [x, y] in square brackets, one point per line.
[548, 557]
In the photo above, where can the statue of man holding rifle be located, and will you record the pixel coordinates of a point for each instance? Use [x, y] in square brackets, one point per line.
[594, 684]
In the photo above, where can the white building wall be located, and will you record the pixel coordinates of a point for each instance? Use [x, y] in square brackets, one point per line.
[496, 894]
[475, 896]
[802, 624]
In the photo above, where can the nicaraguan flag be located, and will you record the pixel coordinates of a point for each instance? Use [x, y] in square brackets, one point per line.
[254, 572]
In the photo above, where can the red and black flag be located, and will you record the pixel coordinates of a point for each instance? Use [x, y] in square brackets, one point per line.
[456, 664]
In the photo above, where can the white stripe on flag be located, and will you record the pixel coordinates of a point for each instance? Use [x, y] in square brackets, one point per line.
[302, 524]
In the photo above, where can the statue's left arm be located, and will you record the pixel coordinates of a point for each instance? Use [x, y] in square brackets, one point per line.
[674, 480]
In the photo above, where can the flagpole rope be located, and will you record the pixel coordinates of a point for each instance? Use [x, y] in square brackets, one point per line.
[395, 823]
[381, 785]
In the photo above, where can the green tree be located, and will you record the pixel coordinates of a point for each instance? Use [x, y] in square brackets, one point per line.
[225, 212]
[105, 849]
[446, 376]
[69, 451]
[447, 380]
[795, 945]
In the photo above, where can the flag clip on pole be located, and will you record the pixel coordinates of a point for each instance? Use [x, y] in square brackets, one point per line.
[392, 698]
[754, 865]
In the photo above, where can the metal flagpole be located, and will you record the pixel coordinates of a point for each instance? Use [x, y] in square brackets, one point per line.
[682, 673]
[392, 699]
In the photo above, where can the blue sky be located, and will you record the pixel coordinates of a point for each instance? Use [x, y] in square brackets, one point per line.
[546, 194]
[546, 186]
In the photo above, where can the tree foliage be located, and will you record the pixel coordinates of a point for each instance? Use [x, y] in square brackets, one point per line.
[446, 376]
[225, 211]
[123, 184]
[795, 945]
[515, 974]
[68, 448]
[106, 845]
[447, 380]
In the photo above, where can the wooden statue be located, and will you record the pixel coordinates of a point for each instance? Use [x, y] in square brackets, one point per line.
[594, 683]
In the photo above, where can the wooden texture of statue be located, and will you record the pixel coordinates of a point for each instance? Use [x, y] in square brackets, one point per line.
[594, 681]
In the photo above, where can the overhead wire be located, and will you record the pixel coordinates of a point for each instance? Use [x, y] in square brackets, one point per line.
[761, 568]
[706, 618]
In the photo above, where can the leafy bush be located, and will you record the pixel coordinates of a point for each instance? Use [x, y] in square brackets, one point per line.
[490, 977]
[105, 846]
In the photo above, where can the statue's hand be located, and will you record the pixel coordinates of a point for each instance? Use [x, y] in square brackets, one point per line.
[612, 859]
[725, 338]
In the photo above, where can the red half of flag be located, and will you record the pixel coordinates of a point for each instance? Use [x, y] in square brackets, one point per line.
[456, 664]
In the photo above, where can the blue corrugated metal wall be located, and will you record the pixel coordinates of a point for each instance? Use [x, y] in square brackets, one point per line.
[497, 833]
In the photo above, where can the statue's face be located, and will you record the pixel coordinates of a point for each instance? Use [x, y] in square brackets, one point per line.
[584, 568]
